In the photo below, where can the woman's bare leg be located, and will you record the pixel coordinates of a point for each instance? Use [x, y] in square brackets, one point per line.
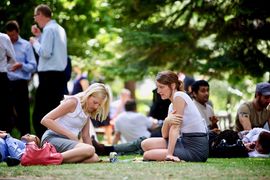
[92, 159]
[79, 153]
[155, 154]
[154, 149]
[154, 143]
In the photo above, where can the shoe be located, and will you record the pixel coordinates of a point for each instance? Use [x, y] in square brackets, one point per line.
[12, 161]
[100, 148]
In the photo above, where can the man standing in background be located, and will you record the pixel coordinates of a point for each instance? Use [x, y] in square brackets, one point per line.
[20, 78]
[51, 46]
[7, 63]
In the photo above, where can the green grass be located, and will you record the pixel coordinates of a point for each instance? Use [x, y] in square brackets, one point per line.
[236, 168]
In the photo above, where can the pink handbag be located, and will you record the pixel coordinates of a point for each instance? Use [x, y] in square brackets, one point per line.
[45, 155]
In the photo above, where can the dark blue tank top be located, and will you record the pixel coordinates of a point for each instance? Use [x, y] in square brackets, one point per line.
[77, 85]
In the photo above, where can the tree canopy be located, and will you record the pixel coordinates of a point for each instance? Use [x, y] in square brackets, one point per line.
[132, 38]
[210, 37]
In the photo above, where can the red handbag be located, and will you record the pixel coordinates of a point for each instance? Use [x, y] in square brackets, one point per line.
[45, 155]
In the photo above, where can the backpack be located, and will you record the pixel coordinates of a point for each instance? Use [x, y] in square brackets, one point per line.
[227, 145]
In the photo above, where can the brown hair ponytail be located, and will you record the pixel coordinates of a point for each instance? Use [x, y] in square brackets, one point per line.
[169, 78]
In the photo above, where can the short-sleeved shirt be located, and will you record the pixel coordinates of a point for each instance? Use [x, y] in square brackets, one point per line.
[192, 119]
[132, 125]
[257, 118]
[206, 112]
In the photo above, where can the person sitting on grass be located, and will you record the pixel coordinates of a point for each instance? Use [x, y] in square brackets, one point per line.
[255, 113]
[130, 125]
[257, 142]
[248, 143]
[11, 149]
[200, 93]
[71, 118]
[186, 140]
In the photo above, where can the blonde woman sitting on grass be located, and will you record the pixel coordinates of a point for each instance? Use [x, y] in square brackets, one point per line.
[72, 117]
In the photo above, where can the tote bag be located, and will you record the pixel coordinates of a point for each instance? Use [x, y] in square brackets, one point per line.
[45, 155]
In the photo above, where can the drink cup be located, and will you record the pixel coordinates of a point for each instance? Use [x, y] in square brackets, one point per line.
[113, 157]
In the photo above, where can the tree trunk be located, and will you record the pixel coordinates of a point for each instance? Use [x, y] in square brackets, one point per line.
[131, 85]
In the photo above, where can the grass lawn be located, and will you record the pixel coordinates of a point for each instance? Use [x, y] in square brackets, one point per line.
[126, 168]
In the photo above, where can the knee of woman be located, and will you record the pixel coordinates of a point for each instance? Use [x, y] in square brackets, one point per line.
[87, 149]
[146, 155]
[144, 145]
[90, 149]
[95, 158]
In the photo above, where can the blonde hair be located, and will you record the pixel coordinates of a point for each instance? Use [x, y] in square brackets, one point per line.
[96, 90]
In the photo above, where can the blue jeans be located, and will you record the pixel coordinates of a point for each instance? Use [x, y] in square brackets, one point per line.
[11, 147]
[3, 150]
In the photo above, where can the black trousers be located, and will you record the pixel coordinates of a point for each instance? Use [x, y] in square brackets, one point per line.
[5, 107]
[49, 93]
[21, 105]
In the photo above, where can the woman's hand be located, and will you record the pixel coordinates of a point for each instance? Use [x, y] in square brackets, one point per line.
[174, 119]
[171, 119]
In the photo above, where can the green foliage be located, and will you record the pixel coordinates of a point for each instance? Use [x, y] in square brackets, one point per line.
[131, 39]
[214, 38]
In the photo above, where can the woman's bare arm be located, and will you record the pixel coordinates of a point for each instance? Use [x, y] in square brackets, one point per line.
[64, 108]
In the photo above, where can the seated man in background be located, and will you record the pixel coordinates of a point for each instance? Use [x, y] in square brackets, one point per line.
[255, 113]
[200, 93]
[131, 125]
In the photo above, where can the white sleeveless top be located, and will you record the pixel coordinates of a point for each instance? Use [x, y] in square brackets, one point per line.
[74, 121]
[192, 119]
